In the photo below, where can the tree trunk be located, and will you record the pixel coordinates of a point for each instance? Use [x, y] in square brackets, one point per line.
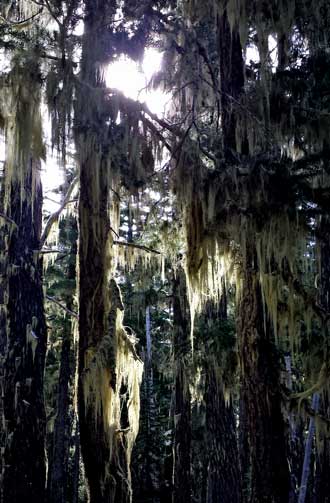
[76, 464]
[57, 484]
[223, 467]
[231, 82]
[151, 468]
[323, 462]
[308, 452]
[244, 450]
[109, 369]
[223, 481]
[261, 394]
[182, 407]
[23, 337]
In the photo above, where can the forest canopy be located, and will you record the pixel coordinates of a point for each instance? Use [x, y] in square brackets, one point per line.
[165, 309]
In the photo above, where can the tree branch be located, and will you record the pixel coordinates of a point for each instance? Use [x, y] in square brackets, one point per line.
[54, 217]
[20, 24]
[9, 220]
[62, 306]
[134, 245]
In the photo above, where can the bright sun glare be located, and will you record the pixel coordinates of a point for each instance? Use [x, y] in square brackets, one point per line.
[128, 77]
[132, 79]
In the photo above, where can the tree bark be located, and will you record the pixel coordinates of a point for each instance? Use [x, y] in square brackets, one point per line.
[182, 407]
[76, 464]
[223, 467]
[105, 409]
[57, 484]
[151, 468]
[260, 377]
[323, 456]
[223, 482]
[244, 450]
[308, 452]
[231, 67]
[23, 327]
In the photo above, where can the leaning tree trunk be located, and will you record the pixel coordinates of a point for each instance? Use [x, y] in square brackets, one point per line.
[182, 407]
[23, 338]
[261, 394]
[109, 369]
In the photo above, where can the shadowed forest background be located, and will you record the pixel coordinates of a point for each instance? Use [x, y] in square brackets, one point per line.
[165, 310]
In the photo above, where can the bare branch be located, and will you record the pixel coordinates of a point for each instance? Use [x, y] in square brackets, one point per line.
[130, 345]
[54, 217]
[62, 306]
[9, 220]
[19, 24]
[308, 299]
[134, 245]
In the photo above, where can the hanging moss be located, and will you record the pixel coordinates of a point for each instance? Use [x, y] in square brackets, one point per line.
[20, 102]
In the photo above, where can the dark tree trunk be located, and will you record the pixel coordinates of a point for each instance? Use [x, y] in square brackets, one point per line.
[105, 486]
[231, 82]
[223, 479]
[182, 407]
[323, 456]
[244, 451]
[306, 474]
[22, 321]
[323, 461]
[106, 438]
[59, 458]
[223, 466]
[76, 469]
[260, 377]
[23, 356]
[57, 483]
[152, 475]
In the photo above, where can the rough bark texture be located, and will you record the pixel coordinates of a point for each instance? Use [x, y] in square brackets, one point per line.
[231, 81]
[244, 451]
[323, 456]
[308, 452]
[152, 475]
[23, 349]
[182, 407]
[103, 439]
[223, 478]
[57, 484]
[76, 465]
[96, 450]
[94, 230]
[270, 481]
[323, 463]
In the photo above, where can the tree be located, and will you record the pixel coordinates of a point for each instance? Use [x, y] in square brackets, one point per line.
[23, 341]
[107, 362]
[61, 283]
[182, 407]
